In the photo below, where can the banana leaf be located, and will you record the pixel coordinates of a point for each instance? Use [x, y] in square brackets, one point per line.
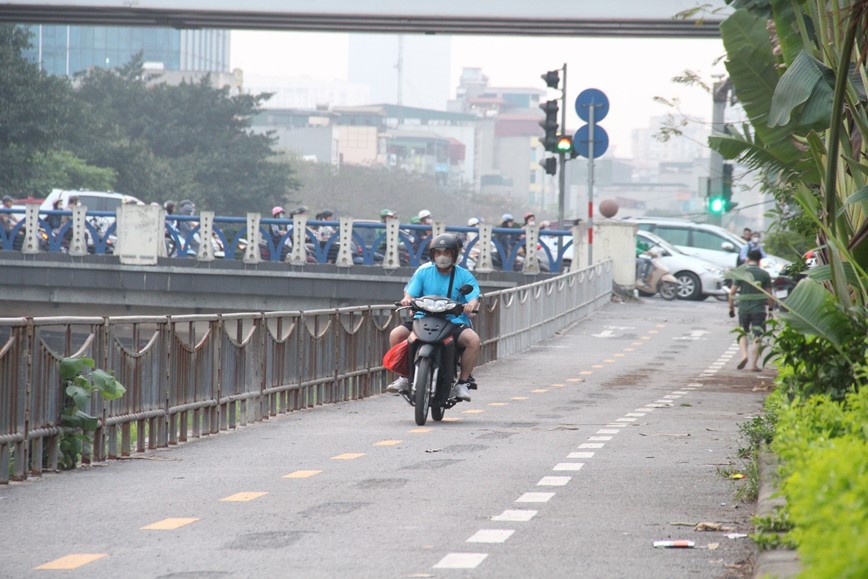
[807, 85]
[811, 309]
[752, 69]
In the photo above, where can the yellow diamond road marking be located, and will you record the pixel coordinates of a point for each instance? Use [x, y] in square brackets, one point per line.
[629, 349]
[474, 411]
[421, 430]
[561, 385]
[586, 372]
[452, 419]
[661, 325]
[645, 337]
[519, 398]
[388, 442]
[242, 497]
[597, 366]
[302, 474]
[498, 403]
[637, 343]
[653, 331]
[169, 524]
[348, 456]
[574, 380]
[73, 561]
[609, 361]
[618, 355]
[539, 390]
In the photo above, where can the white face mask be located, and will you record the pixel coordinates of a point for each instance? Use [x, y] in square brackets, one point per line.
[755, 239]
[443, 261]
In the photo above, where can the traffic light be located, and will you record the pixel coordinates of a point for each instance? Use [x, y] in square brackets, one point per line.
[549, 165]
[550, 126]
[716, 204]
[565, 146]
[726, 187]
[552, 78]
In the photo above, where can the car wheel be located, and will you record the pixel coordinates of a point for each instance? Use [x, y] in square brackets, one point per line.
[689, 286]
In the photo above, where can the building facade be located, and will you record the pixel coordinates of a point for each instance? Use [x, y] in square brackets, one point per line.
[64, 50]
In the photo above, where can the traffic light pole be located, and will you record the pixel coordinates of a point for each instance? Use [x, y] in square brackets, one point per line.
[562, 162]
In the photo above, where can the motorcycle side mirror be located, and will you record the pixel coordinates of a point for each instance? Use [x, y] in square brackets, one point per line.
[465, 289]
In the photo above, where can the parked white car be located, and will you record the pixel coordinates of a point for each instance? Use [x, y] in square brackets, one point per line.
[710, 242]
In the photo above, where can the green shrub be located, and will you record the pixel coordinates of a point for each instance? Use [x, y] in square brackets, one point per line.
[828, 501]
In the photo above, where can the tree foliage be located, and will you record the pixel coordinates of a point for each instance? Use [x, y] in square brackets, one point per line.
[125, 130]
[34, 108]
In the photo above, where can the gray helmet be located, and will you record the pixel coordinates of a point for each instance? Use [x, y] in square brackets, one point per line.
[445, 241]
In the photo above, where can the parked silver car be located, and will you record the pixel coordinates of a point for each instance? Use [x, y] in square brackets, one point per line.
[697, 278]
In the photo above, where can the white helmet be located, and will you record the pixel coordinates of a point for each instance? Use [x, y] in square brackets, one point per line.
[473, 222]
[424, 213]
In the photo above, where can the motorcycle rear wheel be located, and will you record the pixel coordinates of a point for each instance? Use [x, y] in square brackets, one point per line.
[423, 385]
[667, 290]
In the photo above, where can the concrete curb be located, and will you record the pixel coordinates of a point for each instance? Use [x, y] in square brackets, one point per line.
[780, 563]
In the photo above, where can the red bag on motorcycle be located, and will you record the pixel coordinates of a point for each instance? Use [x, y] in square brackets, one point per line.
[396, 359]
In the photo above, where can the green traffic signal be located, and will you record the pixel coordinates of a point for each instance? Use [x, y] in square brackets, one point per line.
[717, 205]
[565, 144]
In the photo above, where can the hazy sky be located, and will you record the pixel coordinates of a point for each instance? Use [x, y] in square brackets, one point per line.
[630, 71]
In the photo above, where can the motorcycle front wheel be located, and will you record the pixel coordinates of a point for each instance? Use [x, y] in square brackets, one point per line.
[423, 385]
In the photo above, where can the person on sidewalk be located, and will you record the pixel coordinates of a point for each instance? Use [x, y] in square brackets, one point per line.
[752, 304]
[443, 276]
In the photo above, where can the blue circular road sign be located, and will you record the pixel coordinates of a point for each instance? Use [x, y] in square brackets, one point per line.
[591, 97]
[581, 142]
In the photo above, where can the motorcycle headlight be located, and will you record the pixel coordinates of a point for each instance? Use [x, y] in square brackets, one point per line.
[433, 306]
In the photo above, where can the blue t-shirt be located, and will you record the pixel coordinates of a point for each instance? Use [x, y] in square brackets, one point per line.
[429, 281]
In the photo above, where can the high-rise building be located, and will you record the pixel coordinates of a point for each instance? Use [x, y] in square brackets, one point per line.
[402, 69]
[64, 50]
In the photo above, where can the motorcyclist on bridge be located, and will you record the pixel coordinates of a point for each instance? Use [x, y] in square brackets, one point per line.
[443, 276]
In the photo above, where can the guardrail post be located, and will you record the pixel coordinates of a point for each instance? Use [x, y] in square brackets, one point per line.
[298, 256]
[438, 228]
[78, 244]
[206, 230]
[531, 239]
[31, 224]
[345, 239]
[484, 265]
[392, 259]
[251, 252]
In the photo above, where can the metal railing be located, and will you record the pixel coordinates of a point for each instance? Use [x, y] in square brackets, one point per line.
[197, 375]
[254, 238]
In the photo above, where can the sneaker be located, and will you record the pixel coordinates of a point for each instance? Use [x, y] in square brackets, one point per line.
[461, 392]
[402, 384]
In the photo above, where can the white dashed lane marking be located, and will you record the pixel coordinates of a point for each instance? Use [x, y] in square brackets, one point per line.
[461, 561]
[573, 466]
[580, 455]
[553, 481]
[535, 498]
[515, 516]
[490, 536]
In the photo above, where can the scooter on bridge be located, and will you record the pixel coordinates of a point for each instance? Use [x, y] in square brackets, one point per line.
[432, 356]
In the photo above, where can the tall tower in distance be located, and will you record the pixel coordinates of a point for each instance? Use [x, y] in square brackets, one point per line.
[410, 70]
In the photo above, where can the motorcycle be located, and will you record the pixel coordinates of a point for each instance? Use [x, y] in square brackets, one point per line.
[433, 356]
[658, 280]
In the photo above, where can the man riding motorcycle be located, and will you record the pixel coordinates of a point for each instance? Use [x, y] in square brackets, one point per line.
[443, 276]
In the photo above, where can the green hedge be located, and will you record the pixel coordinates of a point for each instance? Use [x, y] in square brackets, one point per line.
[823, 447]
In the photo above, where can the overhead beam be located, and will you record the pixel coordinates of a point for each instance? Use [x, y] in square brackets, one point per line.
[630, 18]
